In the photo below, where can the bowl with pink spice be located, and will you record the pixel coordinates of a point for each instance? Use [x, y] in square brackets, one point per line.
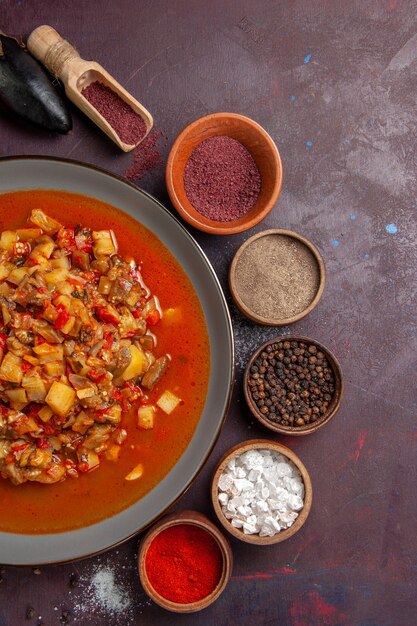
[224, 173]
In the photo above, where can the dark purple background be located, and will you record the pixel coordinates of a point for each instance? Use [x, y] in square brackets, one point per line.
[344, 120]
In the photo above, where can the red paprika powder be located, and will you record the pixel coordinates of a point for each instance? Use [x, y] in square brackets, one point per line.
[184, 563]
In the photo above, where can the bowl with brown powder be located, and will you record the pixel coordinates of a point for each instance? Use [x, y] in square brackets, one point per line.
[276, 277]
[224, 173]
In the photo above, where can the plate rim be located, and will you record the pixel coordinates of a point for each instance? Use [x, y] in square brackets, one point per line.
[231, 372]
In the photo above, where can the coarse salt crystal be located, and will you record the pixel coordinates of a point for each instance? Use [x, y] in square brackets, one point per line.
[232, 464]
[223, 498]
[254, 475]
[225, 482]
[261, 492]
[283, 469]
[237, 523]
[242, 484]
[261, 506]
[249, 529]
[251, 459]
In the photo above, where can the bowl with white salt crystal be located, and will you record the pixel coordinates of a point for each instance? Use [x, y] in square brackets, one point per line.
[261, 492]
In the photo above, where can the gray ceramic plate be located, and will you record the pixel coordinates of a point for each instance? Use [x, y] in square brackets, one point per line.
[44, 173]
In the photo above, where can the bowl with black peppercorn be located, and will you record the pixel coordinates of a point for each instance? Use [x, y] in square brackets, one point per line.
[293, 385]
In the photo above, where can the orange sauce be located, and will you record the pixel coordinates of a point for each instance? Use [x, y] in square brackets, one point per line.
[34, 508]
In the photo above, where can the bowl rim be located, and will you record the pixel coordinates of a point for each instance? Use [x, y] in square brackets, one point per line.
[77, 555]
[246, 224]
[256, 444]
[193, 518]
[313, 426]
[268, 321]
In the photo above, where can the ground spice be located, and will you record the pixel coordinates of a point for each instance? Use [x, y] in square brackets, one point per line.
[146, 157]
[221, 179]
[291, 383]
[130, 126]
[276, 277]
[184, 563]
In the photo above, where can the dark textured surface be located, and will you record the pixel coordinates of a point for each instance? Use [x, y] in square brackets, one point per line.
[344, 120]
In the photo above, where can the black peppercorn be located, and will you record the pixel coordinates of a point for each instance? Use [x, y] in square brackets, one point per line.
[291, 384]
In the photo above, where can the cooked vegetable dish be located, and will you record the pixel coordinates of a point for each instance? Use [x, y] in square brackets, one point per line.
[77, 351]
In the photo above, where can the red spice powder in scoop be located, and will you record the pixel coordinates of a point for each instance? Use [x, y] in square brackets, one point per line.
[184, 563]
[130, 126]
[221, 179]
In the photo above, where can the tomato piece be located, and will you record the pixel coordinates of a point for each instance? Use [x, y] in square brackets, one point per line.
[26, 366]
[136, 275]
[48, 429]
[91, 276]
[106, 316]
[42, 444]
[153, 317]
[62, 319]
[21, 248]
[84, 241]
[81, 259]
[117, 395]
[66, 240]
[3, 339]
[20, 447]
[108, 341]
[95, 375]
[131, 391]
[33, 409]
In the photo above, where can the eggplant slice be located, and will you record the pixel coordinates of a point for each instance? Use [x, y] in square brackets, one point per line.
[27, 91]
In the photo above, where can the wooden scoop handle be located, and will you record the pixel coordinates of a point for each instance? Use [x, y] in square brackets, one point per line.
[55, 52]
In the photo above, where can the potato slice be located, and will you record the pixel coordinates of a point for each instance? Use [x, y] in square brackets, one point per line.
[45, 414]
[137, 472]
[7, 240]
[43, 221]
[17, 275]
[11, 368]
[104, 243]
[113, 452]
[5, 270]
[60, 398]
[34, 386]
[168, 402]
[26, 234]
[136, 365]
[17, 398]
[146, 415]
[56, 276]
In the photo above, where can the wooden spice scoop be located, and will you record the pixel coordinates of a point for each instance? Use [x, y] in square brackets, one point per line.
[64, 62]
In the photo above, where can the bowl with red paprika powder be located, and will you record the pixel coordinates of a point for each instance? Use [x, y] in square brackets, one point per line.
[184, 562]
[224, 173]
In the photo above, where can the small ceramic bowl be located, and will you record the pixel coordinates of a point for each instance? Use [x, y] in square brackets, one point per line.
[312, 426]
[193, 518]
[259, 144]
[257, 444]
[313, 257]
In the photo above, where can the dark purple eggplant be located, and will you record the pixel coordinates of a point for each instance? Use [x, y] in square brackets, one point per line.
[26, 90]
